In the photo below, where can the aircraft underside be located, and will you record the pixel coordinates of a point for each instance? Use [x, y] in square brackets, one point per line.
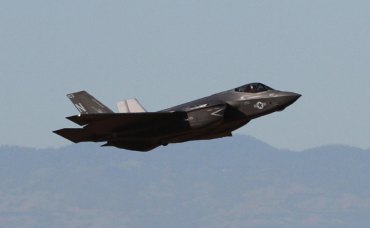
[139, 143]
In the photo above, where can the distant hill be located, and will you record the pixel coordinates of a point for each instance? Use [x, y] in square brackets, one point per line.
[232, 182]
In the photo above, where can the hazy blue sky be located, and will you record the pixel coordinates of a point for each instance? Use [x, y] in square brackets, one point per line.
[169, 52]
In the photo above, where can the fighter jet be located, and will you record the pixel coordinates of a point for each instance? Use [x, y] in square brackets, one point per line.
[211, 117]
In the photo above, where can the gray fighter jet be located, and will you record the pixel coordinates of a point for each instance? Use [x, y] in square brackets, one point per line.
[211, 117]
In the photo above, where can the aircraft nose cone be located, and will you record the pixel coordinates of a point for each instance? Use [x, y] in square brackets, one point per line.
[288, 98]
[293, 97]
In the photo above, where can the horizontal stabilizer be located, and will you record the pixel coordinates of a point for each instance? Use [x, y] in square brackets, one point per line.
[130, 106]
[88, 118]
[75, 135]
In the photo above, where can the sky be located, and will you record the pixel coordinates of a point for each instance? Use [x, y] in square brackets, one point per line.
[169, 52]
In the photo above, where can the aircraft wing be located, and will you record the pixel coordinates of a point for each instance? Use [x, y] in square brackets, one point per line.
[126, 118]
[101, 127]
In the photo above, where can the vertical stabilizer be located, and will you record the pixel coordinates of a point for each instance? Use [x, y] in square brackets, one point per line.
[130, 106]
[87, 104]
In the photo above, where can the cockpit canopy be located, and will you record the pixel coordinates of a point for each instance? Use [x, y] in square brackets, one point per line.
[253, 88]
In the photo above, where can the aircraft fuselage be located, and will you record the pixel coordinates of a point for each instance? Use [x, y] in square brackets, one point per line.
[210, 117]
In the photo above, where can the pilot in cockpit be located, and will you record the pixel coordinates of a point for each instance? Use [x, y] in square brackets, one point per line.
[251, 89]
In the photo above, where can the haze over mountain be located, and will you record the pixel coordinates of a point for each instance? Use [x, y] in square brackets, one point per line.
[233, 182]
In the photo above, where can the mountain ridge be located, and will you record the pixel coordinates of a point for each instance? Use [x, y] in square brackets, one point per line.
[238, 137]
[231, 182]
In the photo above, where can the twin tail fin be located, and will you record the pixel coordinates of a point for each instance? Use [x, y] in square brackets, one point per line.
[87, 104]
